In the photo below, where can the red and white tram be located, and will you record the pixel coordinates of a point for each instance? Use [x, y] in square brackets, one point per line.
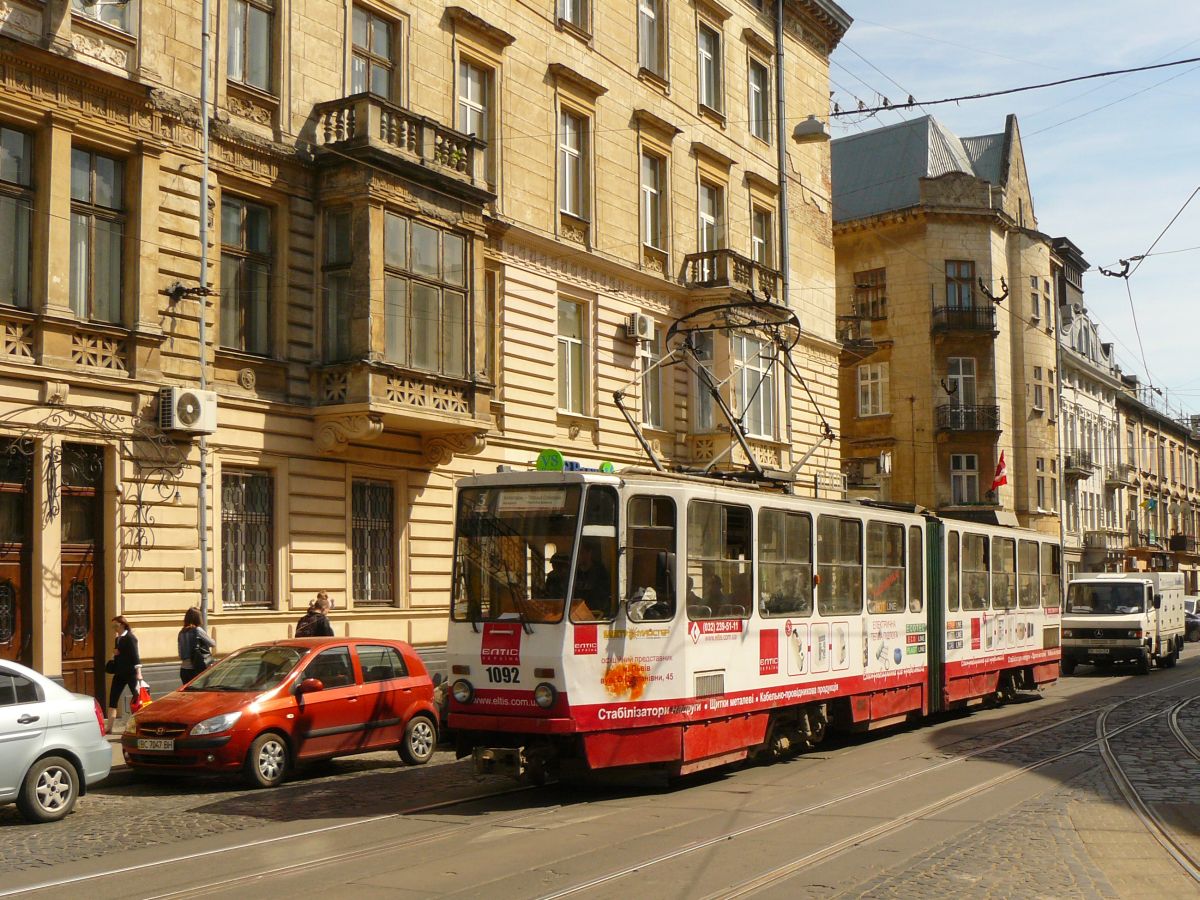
[650, 619]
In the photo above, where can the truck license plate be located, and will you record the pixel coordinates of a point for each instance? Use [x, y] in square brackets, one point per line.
[156, 744]
[1099, 650]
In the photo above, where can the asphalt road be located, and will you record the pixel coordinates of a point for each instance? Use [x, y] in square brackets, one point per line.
[1013, 802]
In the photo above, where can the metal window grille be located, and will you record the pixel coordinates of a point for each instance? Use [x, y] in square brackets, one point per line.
[247, 539]
[373, 542]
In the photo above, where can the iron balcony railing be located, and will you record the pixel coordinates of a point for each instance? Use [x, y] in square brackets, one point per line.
[975, 319]
[1118, 474]
[1079, 463]
[968, 418]
[1183, 543]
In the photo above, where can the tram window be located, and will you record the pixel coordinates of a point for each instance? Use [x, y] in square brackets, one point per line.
[1004, 573]
[719, 566]
[976, 565]
[885, 568]
[1028, 583]
[785, 583]
[1051, 576]
[839, 566]
[650, 556]
[593, 593]
[952, 572]
[916, 570]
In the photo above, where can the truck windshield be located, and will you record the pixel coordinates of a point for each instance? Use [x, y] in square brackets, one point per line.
[1105, 599]
[512, 552]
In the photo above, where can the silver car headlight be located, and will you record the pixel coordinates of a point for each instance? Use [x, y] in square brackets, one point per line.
[544, 695]
[462, 690]
[216, 724]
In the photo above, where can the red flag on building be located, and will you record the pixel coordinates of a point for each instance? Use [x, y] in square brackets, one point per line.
[1001, 473]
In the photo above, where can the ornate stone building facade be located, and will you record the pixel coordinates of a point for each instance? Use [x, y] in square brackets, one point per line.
[946, 309]
[428, 227]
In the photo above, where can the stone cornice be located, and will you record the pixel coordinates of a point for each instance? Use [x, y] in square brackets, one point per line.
[563, 72]
[757, 41]
[713, 155]
[464, 18]
[646, 119]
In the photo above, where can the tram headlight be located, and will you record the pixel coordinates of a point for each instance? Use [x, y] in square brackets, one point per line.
[544, 695]
[462, 690]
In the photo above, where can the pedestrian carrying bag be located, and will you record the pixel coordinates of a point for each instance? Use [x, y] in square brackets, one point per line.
[141, 696]
[201, 659]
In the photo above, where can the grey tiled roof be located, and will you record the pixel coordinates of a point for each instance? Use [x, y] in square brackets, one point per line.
[877, 171]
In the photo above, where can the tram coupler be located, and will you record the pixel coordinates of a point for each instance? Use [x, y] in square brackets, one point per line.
[508, 761]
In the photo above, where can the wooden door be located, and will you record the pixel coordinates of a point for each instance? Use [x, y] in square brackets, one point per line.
[84, 633]
[16, 523]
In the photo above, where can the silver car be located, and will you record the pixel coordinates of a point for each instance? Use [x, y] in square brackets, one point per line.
[52, 744]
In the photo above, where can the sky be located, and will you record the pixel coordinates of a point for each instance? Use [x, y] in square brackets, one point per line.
[1110, 161]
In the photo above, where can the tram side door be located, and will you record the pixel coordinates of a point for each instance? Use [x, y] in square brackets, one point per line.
[83, 626]
[16, 526]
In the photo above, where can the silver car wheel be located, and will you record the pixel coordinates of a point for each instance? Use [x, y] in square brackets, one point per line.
[271, 758]
[53, 789]
[421, 738]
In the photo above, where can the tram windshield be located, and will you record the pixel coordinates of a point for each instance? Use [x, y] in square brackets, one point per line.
[513, 552]
[1105, 599]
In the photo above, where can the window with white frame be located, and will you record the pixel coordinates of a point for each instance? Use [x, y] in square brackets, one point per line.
[245, 275]
[710, 226]
[373, 42]
[652, 37]
[248, 59]
[572, 175]
[964, 478]
[574, 12]
[1040, 466]
[960, 380]
[247, 539]
[1039, 398]
[16, 216]
[572, 371]
[653, 201]
[754, 384]
[97, 235]
[1035, 299]
[708, 42]
[474, 107]
[761, 234]
[425, 296]
[116, 15]
[704, 343]
[760, 100]
[373, 541]
[873, 389]
[651, 352]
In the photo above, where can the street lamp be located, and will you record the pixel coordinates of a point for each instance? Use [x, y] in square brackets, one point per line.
[811, 131]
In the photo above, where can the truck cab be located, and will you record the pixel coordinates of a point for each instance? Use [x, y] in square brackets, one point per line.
[1134, 617]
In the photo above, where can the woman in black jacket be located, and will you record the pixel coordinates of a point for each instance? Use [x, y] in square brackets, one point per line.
[127, 667]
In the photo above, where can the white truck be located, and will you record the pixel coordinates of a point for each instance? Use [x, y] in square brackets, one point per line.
[1123, 617]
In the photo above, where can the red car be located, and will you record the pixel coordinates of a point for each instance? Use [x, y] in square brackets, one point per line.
[268, 706]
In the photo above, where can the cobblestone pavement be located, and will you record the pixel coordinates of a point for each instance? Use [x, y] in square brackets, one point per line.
[149, 811]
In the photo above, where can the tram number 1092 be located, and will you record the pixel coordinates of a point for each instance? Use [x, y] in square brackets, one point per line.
[503, 675]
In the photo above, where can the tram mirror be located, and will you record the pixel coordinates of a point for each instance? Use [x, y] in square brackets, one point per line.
[1158, 601]
[600, 531]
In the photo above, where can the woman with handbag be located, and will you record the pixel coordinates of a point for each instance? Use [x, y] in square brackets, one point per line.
[126, 667]
[195, 646]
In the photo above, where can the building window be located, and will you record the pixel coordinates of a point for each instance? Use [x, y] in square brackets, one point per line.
[652, 381]
[339, 306]
[761, 233]
[245, 276]
[1035, 299]
[247, 539]
[249, 56]
[754, 385]
[964, 478]
[373, 541]
[474, 107]
[16, 213]
[572, 149]
[651, 55]
[703, 380]
[1040, 466]
[710, 227]
[960, 280]
[116, 15]
[653, 201]
[709, 52]
[760, 101]
[573, 12]
[425, 299]
[960, 380]
[97, 235]
[873, 389]
[870, 293]
[572, 371]
[372, 54]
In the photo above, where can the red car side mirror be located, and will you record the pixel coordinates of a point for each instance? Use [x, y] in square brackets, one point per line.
[310, 686]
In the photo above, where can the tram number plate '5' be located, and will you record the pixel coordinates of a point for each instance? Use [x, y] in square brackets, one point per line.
[503, 675]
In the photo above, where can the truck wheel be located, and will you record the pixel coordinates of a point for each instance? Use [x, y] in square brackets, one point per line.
[1168, 661]
[1068, 667]
[1143, 663]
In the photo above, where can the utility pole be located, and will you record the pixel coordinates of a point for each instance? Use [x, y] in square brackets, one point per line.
[202, 329]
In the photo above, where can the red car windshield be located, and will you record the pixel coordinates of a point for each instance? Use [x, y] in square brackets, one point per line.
[253, 669]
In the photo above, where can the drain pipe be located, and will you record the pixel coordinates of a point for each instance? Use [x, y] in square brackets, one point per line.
[202, 335]
[782, 257]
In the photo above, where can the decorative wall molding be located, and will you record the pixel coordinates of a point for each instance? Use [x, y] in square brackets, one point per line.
[335, 435]
[100, 50]
[439, 449]
[427, 395]
[16, 341]
[18, 22]
[98, 351]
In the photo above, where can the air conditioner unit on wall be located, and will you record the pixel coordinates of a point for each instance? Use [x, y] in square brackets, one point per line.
[640, 327]
[187, 411]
